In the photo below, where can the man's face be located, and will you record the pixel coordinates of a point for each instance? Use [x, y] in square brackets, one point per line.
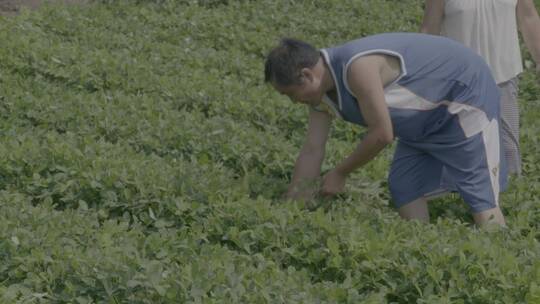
[307, 92]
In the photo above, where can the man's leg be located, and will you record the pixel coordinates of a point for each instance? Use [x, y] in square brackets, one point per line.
[491, 216]
[413, 174]
[415, 210]
[478, 169]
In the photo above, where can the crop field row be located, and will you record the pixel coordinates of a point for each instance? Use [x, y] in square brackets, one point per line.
[143, 160]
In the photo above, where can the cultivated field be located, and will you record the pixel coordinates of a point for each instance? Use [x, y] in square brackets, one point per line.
[143, 159]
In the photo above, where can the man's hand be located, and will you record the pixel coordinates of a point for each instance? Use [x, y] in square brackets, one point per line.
[304, 190]
[333, 183]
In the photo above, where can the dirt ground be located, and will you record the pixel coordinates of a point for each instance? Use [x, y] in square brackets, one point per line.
[12, 7]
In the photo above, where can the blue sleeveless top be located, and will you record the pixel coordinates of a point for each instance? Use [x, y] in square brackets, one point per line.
[445, 92]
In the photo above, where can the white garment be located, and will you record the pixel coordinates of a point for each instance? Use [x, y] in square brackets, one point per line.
[490, 28]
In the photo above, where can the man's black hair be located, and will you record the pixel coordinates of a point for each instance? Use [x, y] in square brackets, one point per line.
[284, 62]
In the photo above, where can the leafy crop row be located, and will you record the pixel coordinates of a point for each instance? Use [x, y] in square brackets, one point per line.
[142, 160]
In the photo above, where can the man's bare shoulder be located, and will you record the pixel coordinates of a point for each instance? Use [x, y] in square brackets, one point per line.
[387, 67]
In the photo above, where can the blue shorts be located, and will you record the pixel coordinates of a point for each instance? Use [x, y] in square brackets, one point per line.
[472, 167]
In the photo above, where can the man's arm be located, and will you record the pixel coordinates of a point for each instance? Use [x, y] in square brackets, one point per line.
[366, 82]
[308, 164]
[529, 25]
[433, 16]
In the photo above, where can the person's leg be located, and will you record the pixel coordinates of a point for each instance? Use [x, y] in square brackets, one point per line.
[477, 168]
[491, 216]
[510, 125]
[497, 173]
[413, 174]
[415, 210]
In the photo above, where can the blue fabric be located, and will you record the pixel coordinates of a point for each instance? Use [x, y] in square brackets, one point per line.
[437, 69]
[434, 149]
[418, 169]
